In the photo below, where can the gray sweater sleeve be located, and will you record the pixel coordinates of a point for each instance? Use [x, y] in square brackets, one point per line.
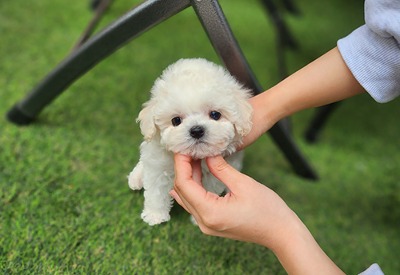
[372, 52]
[373, 270]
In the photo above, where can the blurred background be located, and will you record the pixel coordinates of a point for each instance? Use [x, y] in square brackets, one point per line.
[65, 205]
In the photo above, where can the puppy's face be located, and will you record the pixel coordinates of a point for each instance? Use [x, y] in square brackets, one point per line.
[199, 133]
[197, 109]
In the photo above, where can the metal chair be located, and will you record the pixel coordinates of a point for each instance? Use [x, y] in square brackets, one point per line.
[135, 22]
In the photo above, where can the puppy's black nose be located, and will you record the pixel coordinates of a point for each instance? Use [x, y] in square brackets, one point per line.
[196, 132]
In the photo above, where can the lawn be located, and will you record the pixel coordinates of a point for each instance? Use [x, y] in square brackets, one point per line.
[65, 205]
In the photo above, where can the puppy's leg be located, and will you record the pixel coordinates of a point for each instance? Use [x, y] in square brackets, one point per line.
[135, 178]
[236, 160]
[157, 201]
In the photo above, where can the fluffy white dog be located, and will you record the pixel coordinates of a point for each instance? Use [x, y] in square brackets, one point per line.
[196, 108]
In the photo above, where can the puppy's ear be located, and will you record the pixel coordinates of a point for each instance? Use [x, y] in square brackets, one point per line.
[243, 123]
[243, 112]
[146, 120]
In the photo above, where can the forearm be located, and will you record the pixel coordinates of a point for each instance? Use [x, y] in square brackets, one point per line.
[237, 215]
[321, 82]
[299, 253]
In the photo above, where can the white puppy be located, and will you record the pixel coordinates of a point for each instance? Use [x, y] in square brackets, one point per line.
[196, 108]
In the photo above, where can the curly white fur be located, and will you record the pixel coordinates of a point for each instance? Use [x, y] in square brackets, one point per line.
[196, 108]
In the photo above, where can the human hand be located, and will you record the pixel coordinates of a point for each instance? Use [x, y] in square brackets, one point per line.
[249, 212]
[263, 119]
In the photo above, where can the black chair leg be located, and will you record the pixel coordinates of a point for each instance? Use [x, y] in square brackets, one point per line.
[129, 26]
[214, 22]
[284, 39]
[99, 7]
[94, 4]
[291, 7]
[322, 114]
[139, 20]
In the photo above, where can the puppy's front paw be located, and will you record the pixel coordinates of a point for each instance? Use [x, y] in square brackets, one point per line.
[135, 177]
[153, 218]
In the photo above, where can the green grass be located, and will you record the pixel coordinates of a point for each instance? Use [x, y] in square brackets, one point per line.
[65, 205]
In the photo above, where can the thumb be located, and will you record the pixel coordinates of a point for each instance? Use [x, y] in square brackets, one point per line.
[225, 172]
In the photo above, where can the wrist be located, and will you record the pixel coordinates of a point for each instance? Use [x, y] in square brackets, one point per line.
[299, 253]
[287, 230]
[269, 108]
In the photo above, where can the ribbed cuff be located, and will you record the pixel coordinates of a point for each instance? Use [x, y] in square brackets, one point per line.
[374, 61]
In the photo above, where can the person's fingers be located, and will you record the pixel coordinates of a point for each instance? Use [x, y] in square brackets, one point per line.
[197, 173]
[225, 172]
[178, 199]
[187, 168]
[190, 190]
[183, 166]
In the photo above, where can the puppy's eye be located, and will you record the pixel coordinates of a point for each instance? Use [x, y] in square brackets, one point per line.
[176, 121]
[215, 115]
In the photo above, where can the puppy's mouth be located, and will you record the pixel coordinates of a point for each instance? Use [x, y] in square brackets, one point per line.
[201, 148]
[199, 143]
